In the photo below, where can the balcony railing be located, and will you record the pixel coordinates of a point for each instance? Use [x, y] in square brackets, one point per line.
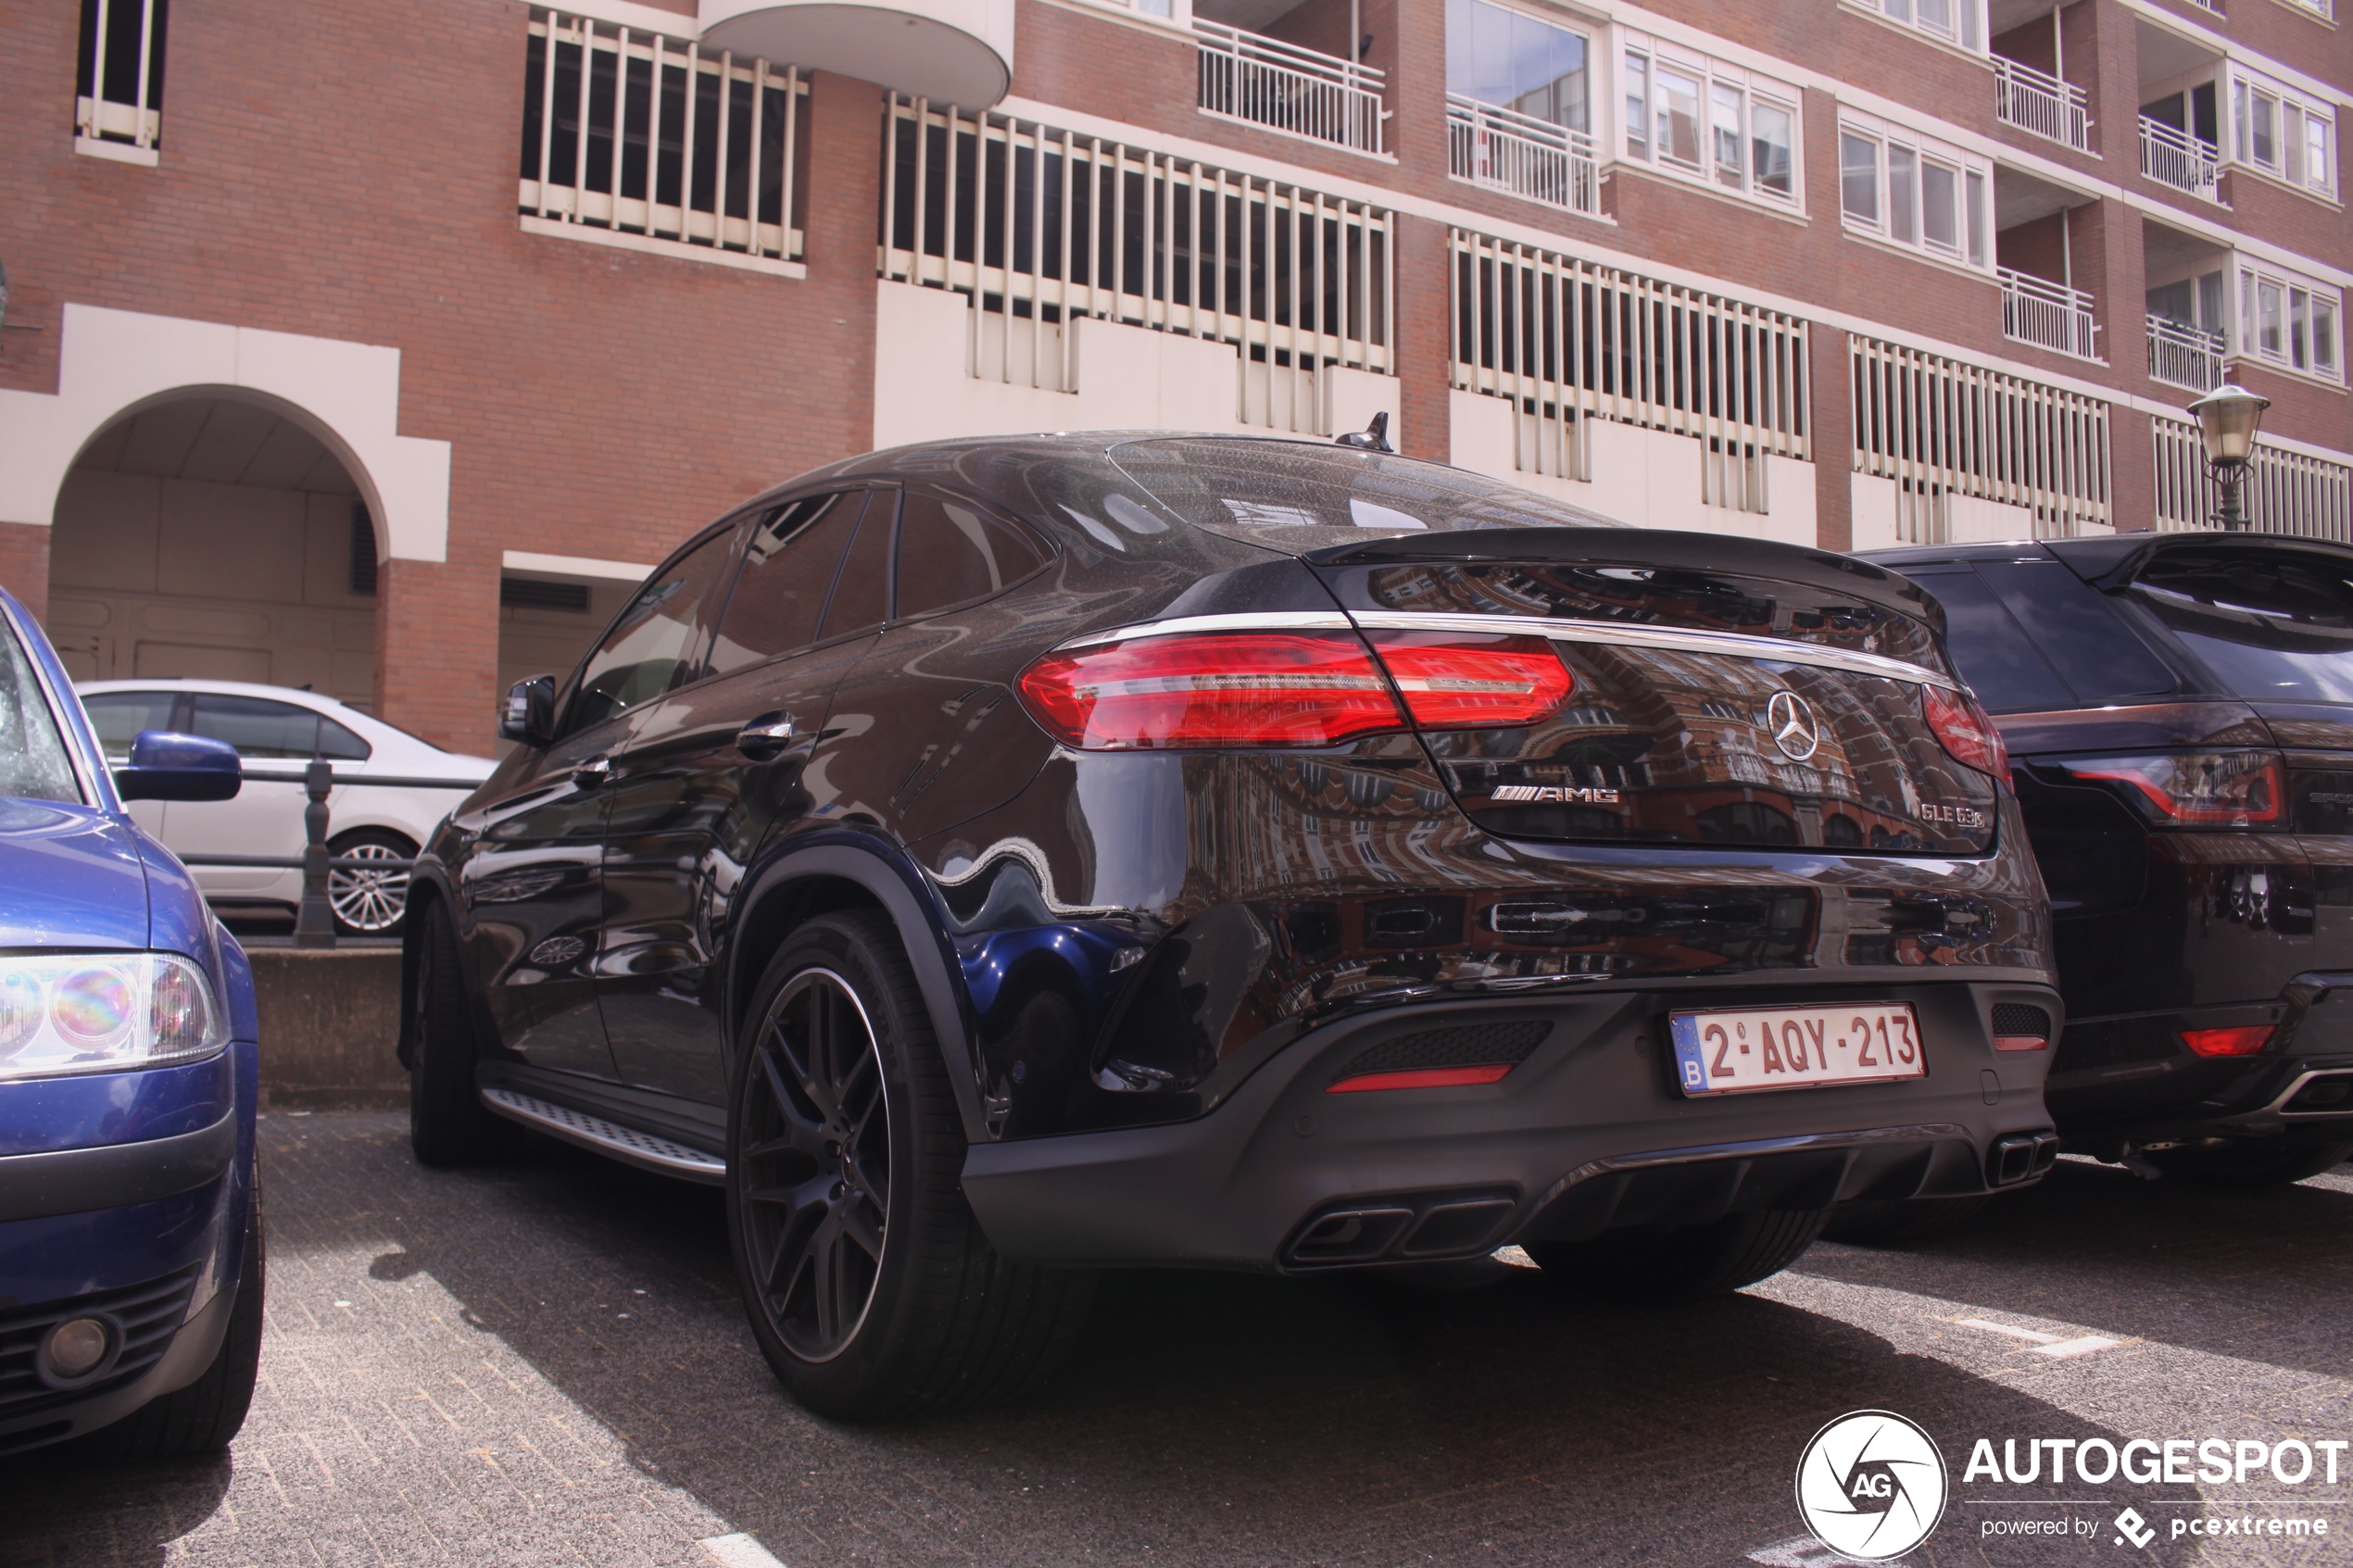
[2185, 356]
[1267, 81]
[635, 139]
[2047, 315]
[2176, 159]
[1505, 150]
[118, 107]
[2040, 104]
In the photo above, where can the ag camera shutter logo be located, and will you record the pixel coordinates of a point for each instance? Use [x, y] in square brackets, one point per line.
[1871, 1485]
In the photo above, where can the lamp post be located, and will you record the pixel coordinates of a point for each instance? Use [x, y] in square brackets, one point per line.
[2229, 416]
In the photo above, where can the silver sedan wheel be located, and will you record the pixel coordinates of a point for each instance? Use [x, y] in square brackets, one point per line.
[364, 898]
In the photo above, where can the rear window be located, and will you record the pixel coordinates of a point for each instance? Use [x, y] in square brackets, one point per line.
[1298, 496]
[2030, 636]
[2272, 626]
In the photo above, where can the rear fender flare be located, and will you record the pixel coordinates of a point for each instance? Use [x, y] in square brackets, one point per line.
[894, 884]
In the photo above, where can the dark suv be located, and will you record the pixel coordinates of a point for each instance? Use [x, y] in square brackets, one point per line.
[995, 860]
[2179, 712]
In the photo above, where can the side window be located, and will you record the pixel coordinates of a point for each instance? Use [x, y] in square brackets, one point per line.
[1990, 648]
[259, 728]
[950, 552]
[642, 656]
[119, 716]
[339, 745]
[789, 563]
[861, 591]
[2094, 650]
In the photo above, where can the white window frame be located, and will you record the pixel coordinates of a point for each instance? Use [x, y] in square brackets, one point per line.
[1969, 29]
[2311, 316]
[1898, 146]
[2299, 158]
[1634, 64]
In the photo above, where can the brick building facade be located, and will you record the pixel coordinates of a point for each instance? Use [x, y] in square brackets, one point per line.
[340, 348]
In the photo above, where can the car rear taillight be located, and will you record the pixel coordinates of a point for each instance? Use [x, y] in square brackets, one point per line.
[1215, 690]
[1965, 732]
[2243, 1040]
[1471, 681]
[1298, 689]
[2212, 789]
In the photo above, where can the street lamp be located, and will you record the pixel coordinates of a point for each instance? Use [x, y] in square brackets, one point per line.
[2229, 417]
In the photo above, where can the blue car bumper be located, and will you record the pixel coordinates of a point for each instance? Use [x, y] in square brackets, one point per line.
[123, 1195]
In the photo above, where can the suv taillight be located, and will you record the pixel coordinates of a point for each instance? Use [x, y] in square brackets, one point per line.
[1474, 680]
[1965, 732]
[2207, 789]
[1222, 690]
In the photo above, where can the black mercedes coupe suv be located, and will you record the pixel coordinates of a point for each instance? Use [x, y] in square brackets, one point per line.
[2179, 710]
[992, 861]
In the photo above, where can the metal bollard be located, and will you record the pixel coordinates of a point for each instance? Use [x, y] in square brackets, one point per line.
[315, 924]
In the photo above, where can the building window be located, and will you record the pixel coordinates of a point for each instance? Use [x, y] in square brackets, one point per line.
[118, 107]
[1913, 192]
[2289, 323]
[2284, 134]
[1520, 105]
[1710, 121]
[1515, 62]
[1955, 22]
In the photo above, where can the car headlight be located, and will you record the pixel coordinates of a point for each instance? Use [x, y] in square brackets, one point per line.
[102, 1013]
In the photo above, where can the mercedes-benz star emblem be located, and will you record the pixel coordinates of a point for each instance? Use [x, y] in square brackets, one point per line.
[1793, 724]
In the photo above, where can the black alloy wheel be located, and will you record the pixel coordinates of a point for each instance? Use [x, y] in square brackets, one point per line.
[815, 1160]
[869, 1284]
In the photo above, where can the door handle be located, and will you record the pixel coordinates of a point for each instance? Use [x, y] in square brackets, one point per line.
[766, 737]
[594, 773]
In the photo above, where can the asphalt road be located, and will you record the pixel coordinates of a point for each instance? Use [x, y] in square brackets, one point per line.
[545, 1363]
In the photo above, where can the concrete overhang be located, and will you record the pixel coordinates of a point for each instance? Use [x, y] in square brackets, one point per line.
[950, 51]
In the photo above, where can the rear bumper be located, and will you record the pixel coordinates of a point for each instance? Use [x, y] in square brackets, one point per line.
[1587, 1134]
[2132, 1080]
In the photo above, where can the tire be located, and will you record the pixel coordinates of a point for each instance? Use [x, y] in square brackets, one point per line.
[199, 1419]
[869, 1284]
[2249, 1163]
[448, 1125]
[369, 903]
[1684, 1264]
[1881, 1224]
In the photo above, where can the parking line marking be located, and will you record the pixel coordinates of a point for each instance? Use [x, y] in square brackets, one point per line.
[2082, 1345]
[2059, 1347]
[2032, 1336]
[739, 1551]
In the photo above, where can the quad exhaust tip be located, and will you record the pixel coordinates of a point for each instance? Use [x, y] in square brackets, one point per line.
[1414, 1227]
[2021, 1157]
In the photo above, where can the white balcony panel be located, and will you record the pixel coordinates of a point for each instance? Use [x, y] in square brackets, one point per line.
[948, 51]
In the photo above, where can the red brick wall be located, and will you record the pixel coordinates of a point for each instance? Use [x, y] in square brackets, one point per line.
[345, 169]
[24, 565]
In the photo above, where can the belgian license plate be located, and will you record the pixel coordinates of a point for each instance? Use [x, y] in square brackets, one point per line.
[1742, 1050]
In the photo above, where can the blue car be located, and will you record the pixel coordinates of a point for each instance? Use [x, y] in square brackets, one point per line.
[130, 1252]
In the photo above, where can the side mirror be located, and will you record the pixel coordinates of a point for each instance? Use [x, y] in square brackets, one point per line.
[165, 766]
[530, 713]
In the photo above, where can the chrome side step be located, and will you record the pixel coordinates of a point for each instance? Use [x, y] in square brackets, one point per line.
[646, 1151]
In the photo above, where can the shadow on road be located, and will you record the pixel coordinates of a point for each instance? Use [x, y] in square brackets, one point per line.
[1205, 1418]
[2261, 1275]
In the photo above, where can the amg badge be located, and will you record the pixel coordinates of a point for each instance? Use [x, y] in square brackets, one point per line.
[1555, 792]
